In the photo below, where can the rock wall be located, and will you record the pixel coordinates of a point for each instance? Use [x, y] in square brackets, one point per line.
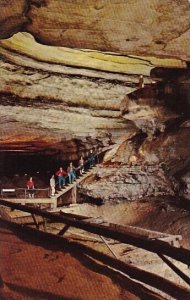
[118, 183]
[155, 171]
[62, 101]
[127, 27]
[149, 163]
[185, 186]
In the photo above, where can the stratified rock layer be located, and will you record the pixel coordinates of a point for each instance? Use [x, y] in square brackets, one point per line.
[153, 172]
[128, 27]
[71, 97]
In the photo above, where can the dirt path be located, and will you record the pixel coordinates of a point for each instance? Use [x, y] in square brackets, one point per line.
[38, 270]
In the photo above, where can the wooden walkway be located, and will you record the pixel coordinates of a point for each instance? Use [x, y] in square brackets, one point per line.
[153, 241]
[134, 231]
[156, 242]
[52, 201]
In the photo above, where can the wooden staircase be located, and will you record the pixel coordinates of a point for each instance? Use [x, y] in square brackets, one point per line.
[53, 200]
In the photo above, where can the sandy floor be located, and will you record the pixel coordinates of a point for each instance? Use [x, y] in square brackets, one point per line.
[38, 270]
[33, 268]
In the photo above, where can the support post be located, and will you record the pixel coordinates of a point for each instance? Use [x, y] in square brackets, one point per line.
[106, 243]
[35, 221]
[175, 269]
[44, 224]
[54, 204]
[63, 230]
[74, 194]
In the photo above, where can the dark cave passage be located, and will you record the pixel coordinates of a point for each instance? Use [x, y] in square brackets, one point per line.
[17, 167]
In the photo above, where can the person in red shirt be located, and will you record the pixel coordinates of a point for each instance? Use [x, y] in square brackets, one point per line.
[61, 177]
[30, 187]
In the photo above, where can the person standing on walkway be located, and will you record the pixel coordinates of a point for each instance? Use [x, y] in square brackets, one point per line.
[30, 187]
[132, 160]
[141, 82]
[91, 158]
[61, 177]
[52, 185]
[81, 165]
[71, 172]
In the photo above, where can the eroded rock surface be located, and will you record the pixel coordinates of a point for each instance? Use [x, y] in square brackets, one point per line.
[135, 27]
[62, 102]
[185, 186]
[153, 172]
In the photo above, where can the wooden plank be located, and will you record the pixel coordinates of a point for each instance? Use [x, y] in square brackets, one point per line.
[73, 185]
[52, 202]
[172, 289]
[15, 200]
[40, 201]
[136, 231]
[108, 246]
[172, 240]
[8, 190]
[175, 269]
[143, 233]
[32, 200]
[114, 232]
[79, 217]
[35, 221]
[15, 214]
[63, 230]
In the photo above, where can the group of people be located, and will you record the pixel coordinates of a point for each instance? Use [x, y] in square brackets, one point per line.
[61, 175]
[71, 172]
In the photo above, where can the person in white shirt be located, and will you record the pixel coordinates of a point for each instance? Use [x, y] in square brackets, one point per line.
[52, 185]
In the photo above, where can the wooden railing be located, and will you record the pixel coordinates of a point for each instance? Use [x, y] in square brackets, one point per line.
[24, 193]
[111, 231]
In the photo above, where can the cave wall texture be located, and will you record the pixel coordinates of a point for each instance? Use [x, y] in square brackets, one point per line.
[69, 75]
[128, 27]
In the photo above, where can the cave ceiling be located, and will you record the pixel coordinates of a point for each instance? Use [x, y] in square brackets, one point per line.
[67, 66]
[149, 27]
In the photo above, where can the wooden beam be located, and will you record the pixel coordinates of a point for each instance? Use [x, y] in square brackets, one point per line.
[108, 246]
[175, 269]
[75, 216]
[35, 221]
[113, 232]
[63, 230]
[32, 200]
[39, 201]
[173, 289]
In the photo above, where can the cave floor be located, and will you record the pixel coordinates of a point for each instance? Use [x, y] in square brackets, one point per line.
[56, 274]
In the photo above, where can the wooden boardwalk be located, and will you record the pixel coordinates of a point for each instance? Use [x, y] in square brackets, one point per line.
[156, 242]
[128, 229]
[52, 201]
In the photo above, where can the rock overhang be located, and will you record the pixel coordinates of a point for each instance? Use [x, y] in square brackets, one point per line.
[74, 95]
[150, 27]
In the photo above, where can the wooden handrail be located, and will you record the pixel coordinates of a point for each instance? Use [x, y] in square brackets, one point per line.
[176, 291]
[110, 231]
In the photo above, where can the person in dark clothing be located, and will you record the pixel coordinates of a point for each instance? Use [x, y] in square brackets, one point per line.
[71, 172]
[91, 158]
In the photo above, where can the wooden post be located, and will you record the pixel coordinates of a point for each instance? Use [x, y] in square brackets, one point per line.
[54, 204]
[113, 231]
[63, 230]
[35, 221]
[106, 243]
[74, 194]
[44, 224]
